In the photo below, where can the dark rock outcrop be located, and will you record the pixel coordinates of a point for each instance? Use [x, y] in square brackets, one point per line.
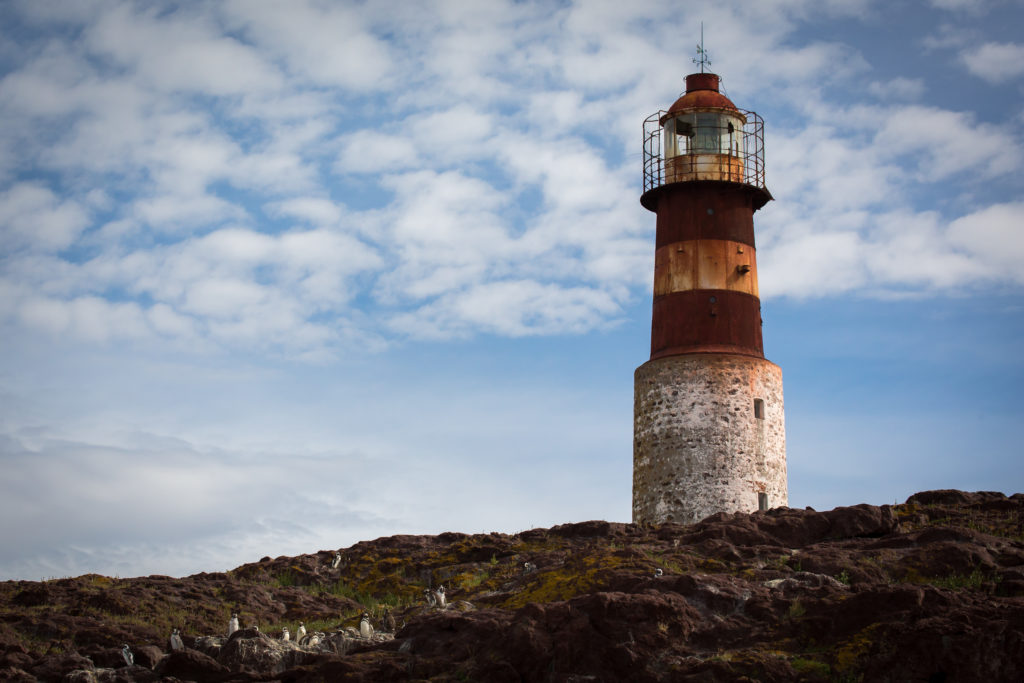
[930, 590]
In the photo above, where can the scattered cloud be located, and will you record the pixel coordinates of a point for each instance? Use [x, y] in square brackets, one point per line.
[995, 62]
[994, 238]
[502, 171]
[972, 6]
[35, 218]
[325, 44]
[906, 89]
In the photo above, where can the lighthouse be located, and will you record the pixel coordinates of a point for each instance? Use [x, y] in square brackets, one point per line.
[708, 419]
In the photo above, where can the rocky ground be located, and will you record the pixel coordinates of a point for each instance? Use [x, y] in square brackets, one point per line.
[929, 590]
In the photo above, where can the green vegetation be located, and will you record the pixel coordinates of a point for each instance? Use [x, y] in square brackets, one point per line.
[810, 667]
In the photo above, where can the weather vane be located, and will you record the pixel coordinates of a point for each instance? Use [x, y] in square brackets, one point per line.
[702, 58]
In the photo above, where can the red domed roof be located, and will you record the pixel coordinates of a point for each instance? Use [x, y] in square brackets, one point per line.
[702, 93]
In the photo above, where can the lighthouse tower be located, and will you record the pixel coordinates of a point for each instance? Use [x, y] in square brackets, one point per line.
[709, 431]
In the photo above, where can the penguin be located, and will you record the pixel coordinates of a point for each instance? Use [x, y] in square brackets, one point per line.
[528, 567]
[429, 595]
[439, 597]
[126, 652]
[285, 635]
[176, 643]
[301, 632]
[365, 629]
[337, 561]
[232, 624]
[658, 573]
[389, 621]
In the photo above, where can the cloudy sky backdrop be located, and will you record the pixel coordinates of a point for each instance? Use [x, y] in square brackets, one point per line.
[277, 277]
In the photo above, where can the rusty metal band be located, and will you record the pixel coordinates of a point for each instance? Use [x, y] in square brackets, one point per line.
[706, 210]
[706, 321]
[705, 264]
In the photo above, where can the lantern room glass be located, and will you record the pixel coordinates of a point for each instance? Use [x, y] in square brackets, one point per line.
[703, 133]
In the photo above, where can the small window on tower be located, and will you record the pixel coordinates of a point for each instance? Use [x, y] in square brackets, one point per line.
[759, 408]
[762, 501]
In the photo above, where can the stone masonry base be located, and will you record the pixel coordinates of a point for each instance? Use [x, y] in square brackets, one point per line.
[709, 436]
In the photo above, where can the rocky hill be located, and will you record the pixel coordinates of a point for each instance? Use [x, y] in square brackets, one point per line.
[928, 590]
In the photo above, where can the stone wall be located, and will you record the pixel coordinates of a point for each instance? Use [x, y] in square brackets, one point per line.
[698, 447]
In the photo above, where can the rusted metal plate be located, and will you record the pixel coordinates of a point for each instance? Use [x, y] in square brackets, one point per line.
[705, 210]
[706, 321]
[686, 167]
[705, 264]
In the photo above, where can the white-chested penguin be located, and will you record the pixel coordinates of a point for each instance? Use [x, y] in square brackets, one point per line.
[337, 561]
[658, 573]
[232, 624]
[429, 595]
[301, 632]
[285, 635]
[126, 652]
[365, 629]
[439, 597]
[176, 643]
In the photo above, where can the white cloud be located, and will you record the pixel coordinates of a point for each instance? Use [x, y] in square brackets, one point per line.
[387, 150]
[326, 43]
[180, 51]
[995, 236]
[315, 210]
[949, 142]
[225, 297]
[962, 5]
[511, 308]
[33, 217]
[995, 62]
[166, 321]
[948, 36]
[896, 252]
[169, 211]
[87, 318]
[899, 88]
[451, 135]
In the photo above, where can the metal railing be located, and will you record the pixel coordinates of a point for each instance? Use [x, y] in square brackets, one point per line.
[742, 163]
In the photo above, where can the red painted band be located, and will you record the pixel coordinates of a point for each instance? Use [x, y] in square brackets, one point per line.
[706, 320]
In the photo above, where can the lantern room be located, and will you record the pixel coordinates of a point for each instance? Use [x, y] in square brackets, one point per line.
[703, 137]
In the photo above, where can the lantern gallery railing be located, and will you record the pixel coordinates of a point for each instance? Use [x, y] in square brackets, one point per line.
[722, 145]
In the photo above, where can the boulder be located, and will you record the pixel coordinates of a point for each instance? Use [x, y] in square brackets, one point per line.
[251, 650]
[16, 675]
[55, 667]
[191, 665]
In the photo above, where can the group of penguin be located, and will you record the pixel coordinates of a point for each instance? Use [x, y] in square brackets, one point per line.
[435, 597]
[366, 630]
[301, 636]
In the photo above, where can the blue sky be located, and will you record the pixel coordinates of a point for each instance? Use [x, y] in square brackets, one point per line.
[277, 277]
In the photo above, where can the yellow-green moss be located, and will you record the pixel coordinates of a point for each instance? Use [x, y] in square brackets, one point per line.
[567, 581]
[851, 650]
[810, 667]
